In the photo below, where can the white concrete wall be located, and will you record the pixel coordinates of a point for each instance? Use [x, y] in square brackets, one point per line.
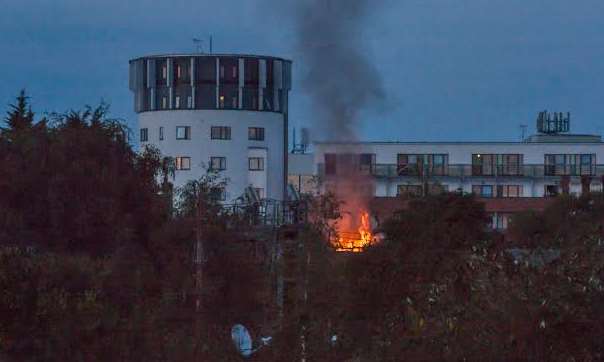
[236, 150]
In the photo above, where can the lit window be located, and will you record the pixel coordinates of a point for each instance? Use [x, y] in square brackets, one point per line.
[161, 133]
[144, 136]
[255, 133]
[183, 163]
[164, 72]
[256, 163]
[177, 102]
[164, 102]
[217, 163]
[220, 133]
[183, 133]
[189, 102]
[178, 72]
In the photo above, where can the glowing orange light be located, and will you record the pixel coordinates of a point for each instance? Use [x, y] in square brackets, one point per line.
[356, 242]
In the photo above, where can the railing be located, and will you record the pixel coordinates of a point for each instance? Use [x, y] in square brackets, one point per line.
[266, 212]
[467, 170]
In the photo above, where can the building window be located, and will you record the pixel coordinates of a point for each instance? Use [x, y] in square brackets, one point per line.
[255, 133]
[144, 135]
[483, 165]
[509, 164]
[183, 163]
[189, 102]
[256, 164]
[509, 191]
[500, 221]
[438, 164]
[164, 72]
[419, 164]
[183, 133]
[569, 164]
[217, 163]
[161, 133]
[220, 133]
[330, 163]
[228, 96]
[164, 102]
[483, 190]
[551, 190]
[409, 164]
[366, 163]
[586, 164]
[409, 190]
[177, 102]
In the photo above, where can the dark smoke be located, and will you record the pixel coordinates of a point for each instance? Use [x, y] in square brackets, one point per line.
[342, 79]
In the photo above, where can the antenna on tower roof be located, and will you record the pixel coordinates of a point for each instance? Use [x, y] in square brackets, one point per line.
[198, 46]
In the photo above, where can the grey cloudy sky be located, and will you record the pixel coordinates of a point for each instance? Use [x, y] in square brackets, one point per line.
[452, 70]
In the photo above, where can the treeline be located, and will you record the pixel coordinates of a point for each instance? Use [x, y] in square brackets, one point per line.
[96, 264]
[95, 261]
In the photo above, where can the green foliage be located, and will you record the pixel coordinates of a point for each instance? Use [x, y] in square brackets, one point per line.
[77, 185]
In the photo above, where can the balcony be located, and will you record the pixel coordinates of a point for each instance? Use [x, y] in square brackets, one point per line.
[467, 170]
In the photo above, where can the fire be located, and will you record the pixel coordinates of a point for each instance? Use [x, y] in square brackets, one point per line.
[355, 242]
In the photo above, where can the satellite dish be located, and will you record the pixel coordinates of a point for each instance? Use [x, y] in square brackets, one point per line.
[242, 339]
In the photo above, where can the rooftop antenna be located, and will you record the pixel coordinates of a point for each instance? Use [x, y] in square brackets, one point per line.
[198, 46]
[523, 132]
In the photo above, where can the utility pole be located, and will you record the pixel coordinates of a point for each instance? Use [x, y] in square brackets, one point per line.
[198, 261]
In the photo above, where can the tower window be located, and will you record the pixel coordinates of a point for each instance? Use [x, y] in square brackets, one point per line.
[161, 133]
[255, 133]
[217, 163]
[183, 133]
[183, 163]
[256, 164]
[220, 133]
[144, 136]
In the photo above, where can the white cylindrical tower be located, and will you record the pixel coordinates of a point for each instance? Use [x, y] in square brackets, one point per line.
[220, 111]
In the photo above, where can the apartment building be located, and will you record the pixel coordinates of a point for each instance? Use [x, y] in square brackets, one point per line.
[507, 176]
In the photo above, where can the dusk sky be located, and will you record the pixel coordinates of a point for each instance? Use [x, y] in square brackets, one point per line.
[452, 70]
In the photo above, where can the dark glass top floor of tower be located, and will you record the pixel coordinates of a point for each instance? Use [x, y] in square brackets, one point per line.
[215, 81]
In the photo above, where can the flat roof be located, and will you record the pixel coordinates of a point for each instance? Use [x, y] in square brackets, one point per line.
[175, 55]
[451, 143]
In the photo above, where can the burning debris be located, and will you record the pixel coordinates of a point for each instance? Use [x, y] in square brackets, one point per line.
[355, 242]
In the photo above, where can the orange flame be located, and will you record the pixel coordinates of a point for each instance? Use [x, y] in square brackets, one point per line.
[356, 242]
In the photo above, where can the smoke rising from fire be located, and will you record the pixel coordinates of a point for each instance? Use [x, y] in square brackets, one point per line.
[341, 78]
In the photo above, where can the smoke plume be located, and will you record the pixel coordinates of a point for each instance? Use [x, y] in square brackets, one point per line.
[342, 79]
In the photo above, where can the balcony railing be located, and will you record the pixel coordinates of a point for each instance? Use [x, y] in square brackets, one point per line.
[467, 170]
